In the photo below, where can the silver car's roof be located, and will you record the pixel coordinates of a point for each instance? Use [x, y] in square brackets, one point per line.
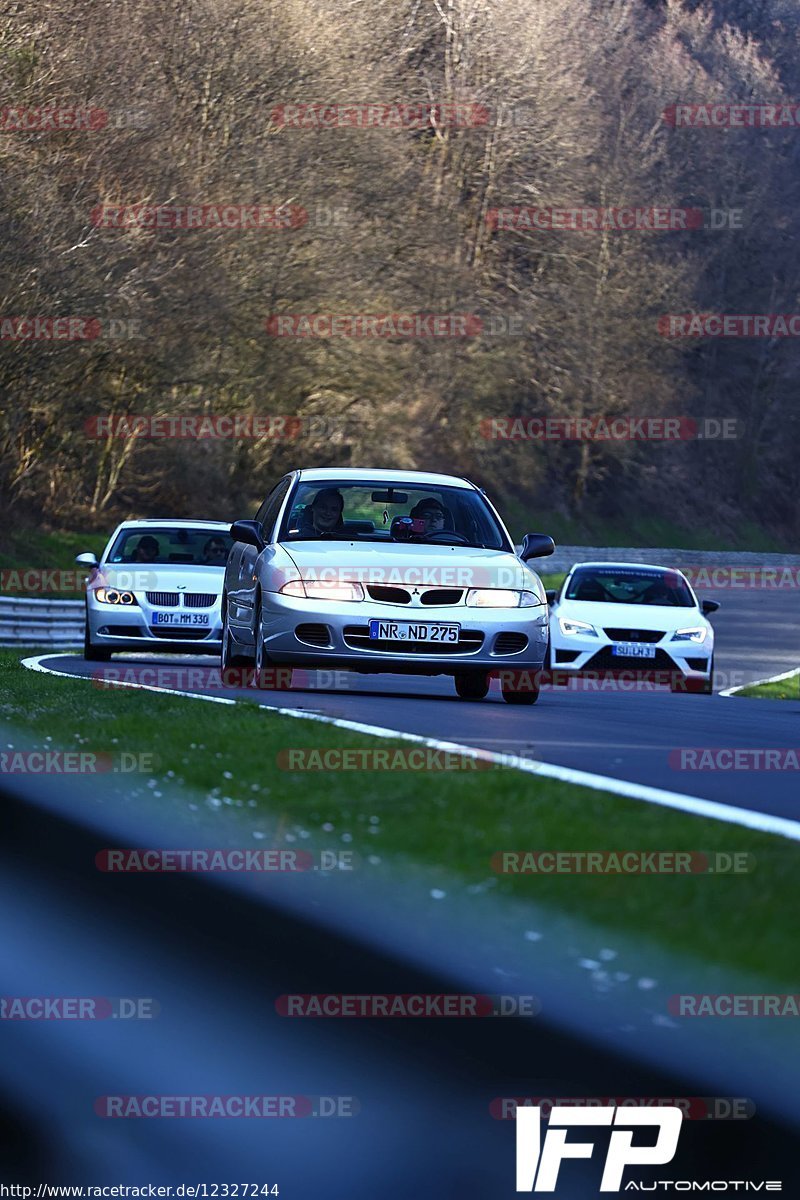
[371, 475]
[174, 523]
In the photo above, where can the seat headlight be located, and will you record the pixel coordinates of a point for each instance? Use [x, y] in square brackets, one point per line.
[696, 634]
[500, 598]
[318, 589]
[569, 627]
[109, 595]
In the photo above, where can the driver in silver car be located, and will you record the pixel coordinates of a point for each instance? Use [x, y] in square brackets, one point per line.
[431, 512]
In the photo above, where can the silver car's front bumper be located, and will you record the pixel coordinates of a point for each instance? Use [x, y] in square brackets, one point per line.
[131, 627]
[306, 632]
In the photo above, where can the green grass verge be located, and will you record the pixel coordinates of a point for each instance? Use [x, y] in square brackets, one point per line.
[219, 764]
[783, 689]
[641, 531]
[26, 549]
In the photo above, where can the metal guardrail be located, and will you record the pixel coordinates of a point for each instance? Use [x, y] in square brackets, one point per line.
[26, 622]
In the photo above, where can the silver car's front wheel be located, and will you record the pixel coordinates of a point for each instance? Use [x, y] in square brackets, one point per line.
[265, 670]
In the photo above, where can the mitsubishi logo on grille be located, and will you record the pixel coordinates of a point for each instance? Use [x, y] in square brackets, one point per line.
[415, 592]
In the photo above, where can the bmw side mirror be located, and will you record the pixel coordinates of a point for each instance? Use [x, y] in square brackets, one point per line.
[87, 560]
[248, 532]
[536, 545]
[709, 606]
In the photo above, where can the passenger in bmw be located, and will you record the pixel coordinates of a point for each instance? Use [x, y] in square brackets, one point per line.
[324, 514]
[215, 552]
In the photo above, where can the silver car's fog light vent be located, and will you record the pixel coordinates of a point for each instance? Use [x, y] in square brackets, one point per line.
[442, 596]
[388, 595]
[314, 635]
[199, 600]
[510, 643]
[162, 599]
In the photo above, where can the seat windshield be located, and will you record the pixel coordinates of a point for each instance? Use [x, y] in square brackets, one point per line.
[629, 586]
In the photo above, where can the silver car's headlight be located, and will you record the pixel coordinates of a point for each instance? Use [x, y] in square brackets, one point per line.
[113, 596]
[500, 598]
[569, 627]
[317, 589]
[697, 633]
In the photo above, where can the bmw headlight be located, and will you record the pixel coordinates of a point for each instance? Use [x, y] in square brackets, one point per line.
[500, 598]
[318, 589]
[697, 634]
[108, 595]
[569, 627]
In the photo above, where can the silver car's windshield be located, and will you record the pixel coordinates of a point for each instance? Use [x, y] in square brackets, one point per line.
[375, 512]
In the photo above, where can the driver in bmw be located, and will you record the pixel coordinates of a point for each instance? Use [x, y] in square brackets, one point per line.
[431, 512]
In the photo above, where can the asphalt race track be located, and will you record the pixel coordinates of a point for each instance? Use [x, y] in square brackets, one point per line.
[625, 735]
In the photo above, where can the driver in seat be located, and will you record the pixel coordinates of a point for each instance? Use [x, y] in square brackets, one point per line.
[431, 512]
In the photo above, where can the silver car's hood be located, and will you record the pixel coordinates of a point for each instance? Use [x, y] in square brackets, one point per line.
[409, 564]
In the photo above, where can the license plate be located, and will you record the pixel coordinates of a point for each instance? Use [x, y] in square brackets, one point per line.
[179, 618]
[633, 650]
[412, 631]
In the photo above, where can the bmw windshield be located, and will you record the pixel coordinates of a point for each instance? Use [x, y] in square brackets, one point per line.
[373, 512]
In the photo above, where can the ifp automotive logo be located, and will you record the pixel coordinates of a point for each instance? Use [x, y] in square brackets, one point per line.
[537, 1165]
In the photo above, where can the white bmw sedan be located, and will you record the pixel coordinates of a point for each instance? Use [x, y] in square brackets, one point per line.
[157, 586]
[385, 571]
[629, 617]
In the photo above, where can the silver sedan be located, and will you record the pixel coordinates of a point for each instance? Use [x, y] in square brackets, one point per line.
[385, 571]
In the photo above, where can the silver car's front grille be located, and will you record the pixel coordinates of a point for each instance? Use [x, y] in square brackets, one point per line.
[388, 595]
[199, 599]
[441, 596]
[162, 599]
[357, 637]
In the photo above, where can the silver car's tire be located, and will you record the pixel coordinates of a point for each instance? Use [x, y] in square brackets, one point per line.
[472, 685]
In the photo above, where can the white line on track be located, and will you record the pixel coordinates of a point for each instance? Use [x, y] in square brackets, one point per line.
[695, 805]
[757, 682]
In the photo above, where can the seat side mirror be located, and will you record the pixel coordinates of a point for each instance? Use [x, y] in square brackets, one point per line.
[709, 606]
[87, 559]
